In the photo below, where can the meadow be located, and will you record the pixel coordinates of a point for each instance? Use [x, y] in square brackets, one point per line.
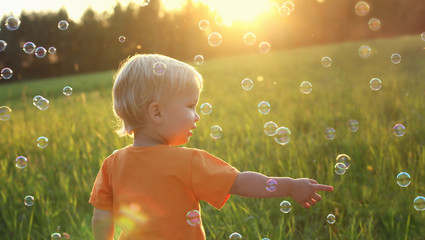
[367, 202]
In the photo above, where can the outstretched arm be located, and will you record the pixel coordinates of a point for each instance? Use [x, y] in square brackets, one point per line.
[302, 190]
[103, 224]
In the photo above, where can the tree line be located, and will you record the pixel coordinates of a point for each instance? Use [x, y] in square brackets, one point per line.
[92, 43]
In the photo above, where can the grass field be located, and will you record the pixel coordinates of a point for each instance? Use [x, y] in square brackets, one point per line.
[367, 202]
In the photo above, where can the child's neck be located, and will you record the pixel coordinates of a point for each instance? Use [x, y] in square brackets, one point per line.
[142, 138]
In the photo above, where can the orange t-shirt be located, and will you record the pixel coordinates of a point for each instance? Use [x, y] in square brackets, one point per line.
[151, 189]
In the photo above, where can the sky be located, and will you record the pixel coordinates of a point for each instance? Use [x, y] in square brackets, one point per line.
[231, 10]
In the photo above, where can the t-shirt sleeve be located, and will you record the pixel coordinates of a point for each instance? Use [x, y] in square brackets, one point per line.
[101, 195]
[212, 178]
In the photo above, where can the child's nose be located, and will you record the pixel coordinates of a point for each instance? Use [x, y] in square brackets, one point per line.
[197, 117]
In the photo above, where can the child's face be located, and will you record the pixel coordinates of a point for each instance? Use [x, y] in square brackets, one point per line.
[180, 117]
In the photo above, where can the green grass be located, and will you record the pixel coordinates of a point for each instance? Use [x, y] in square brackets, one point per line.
[367, 202]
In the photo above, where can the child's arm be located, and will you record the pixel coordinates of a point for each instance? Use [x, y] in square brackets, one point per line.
[302, 190]
[103, 224]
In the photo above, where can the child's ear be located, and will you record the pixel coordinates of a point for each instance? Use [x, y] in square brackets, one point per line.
[155, 112]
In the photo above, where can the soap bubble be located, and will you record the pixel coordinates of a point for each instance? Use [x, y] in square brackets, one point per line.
[214, 39]
[264, 47]
[306, 87]
[67, 91]
[21, 162]
[3, 45]
[270, 128]
[340, 168]
[344, 159]
[290, 5]
[285, 206]
[43, 104]
[36, 100]
[284, 11]
[282, 136]
[55, 236]
[6, 73]
[52, 50]
[399, 130]
[206, 108]
[216, 132]
[374, 24]
[40, 52]
[395, 58]
[5, 113]
[423, 36]
[235, 236]
[419, 203]
[204, 24]
[353, 125]
[29, 47]
[365, 51]
[199, 59]
[330, 133]
[375, 84]
[29, 201]
[42, 142]
[193, 217]
[247, 84]
[264, 107]
[362, 8]
[403, 179]
[326, 61]
[121, 39]
[249, 38]
[159, 68]
[12, 23]
[271, 185]
[63, 25]
[331, 218]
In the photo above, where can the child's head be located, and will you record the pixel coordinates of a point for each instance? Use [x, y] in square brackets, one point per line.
[137, 86]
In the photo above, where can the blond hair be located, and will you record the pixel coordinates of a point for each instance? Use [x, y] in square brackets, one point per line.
[136, 86]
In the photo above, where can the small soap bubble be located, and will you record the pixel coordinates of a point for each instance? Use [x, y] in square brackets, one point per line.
[235, 236]
[419, 203]
[247, 84]
[284, 11]
[52, 50]
[331, 218]
[403, 179]
[5, 113]
[395, 58]
[340, 168]
[56, 236]
[216, 132]
[67, 91]
[362, 8]
[290, 5]
[270, 128]
[365, 51]
[204, 24]
[249, 38]
[36, 100]
[3, 45]
[12, 23]
[206, 108]
[423, 36]
[219, 20]
[29, 47]
[375, 84]
[326, 61]
[353, 125]
[306, 87]
[344, 159]
[285, 206]
[63, 25]
[214, 39]
[6, 73]
[29, 201]
[121, 39]
[282, 136]
[264, 107]
[43, 104]
[40, 52]
[264, 47]
[399, 130]
[265, 239]
[374, 24]
[271, 185]
[199, 59]
[330, 133]
[21, 162]
[42, 142]
[159, 68]
[193, 217]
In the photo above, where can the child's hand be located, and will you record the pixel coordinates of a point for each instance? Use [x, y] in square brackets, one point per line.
[303, 190]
